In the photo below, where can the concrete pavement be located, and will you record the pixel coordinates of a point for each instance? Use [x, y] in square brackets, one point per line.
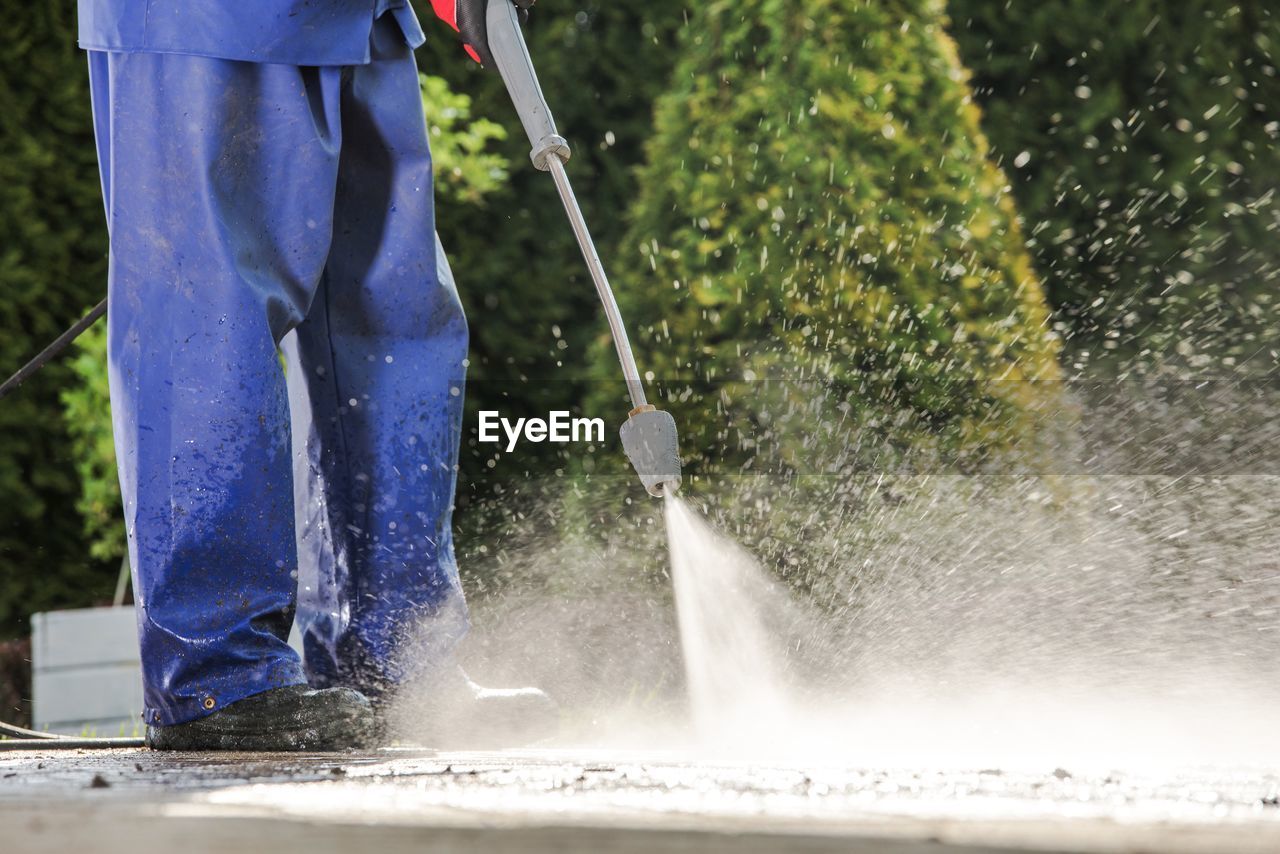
[595, 800]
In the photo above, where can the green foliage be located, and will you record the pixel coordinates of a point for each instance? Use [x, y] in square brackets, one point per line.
[466, 170]
[1143, 141]
[52, 267]
[87, 407]
[817, 209]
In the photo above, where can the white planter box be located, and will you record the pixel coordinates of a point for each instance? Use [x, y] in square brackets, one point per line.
[86, 674]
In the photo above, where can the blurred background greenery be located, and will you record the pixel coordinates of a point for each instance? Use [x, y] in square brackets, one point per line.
[911, 201]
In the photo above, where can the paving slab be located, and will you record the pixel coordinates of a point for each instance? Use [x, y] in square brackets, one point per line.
[596, 800]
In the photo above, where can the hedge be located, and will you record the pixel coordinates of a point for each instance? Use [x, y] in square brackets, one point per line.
[821, 251]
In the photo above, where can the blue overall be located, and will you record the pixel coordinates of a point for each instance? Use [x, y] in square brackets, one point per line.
[269, 199]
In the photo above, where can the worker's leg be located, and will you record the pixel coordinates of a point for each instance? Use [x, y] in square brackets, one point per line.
[377, 388]
[220, 180]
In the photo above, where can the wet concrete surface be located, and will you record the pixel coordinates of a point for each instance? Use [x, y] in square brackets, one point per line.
[563, 801]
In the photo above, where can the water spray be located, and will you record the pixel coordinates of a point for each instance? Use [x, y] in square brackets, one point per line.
[649, 434]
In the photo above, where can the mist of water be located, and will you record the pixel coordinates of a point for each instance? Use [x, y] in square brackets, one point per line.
[724, 600]
[1113, 622]
[1012, 652]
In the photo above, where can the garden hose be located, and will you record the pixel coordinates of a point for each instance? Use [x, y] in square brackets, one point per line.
[59, 344]
[21, 738]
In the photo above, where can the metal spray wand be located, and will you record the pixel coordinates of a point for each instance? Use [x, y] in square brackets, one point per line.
[649, 434]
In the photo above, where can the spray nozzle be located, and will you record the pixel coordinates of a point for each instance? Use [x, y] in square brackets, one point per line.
[650, 441]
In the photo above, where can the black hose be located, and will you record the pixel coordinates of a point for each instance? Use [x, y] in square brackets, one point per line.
[15, 731]
[68, 743]
[59, 344]
[13, 737]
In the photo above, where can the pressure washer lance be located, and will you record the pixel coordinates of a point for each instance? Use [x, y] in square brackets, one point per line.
[649, 434]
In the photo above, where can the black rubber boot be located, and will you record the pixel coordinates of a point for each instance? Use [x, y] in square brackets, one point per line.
[290, 718]
[451, 711]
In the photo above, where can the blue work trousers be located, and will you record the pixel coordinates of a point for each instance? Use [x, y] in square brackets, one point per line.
[262, 214]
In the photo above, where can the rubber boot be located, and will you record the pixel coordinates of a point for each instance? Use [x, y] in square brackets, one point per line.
[293, 717]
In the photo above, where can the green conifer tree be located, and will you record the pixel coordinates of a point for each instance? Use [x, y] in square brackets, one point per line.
[817, 208]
